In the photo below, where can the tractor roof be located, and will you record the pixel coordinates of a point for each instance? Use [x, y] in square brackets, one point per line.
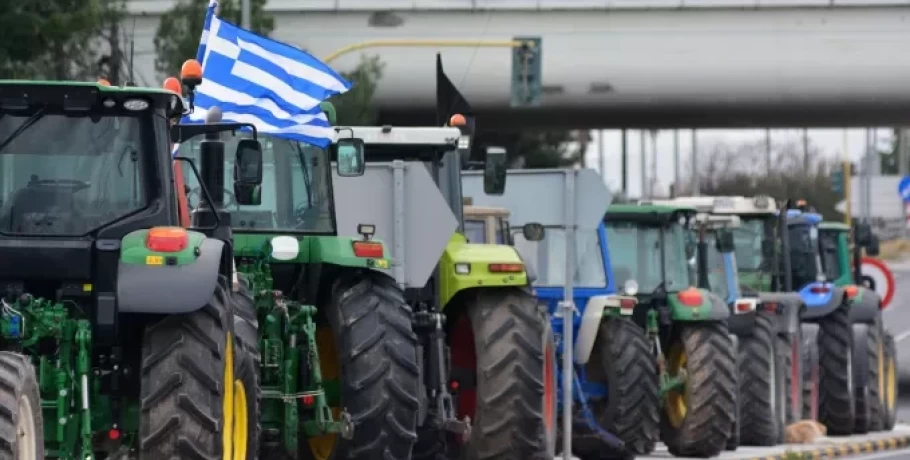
[393, 135]
[739, 205]
[836, 226]
[655, 214]
[19, 94]
[483, 211]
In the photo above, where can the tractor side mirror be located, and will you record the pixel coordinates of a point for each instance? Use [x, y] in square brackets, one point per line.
[494, 171]
[248, 172]
[533, 231]
[872, 249]
[350, 157]
[862, 234]
[725, 242]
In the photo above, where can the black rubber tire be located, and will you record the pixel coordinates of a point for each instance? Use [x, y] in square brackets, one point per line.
[836, 403]
[889, 410]
[622, 360]
[379, 371]
[759, 386]
[17, 381]
[549, 339]
[868, 396]
[733, 441]
[247, 363]
[792, 370]
[711, 387]
[810, 379]
[182, 382]
[509, 419]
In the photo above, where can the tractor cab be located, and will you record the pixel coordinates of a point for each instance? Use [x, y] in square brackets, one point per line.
[806, 269]
[716, 262]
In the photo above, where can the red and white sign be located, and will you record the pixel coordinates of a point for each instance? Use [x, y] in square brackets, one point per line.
[881, 277]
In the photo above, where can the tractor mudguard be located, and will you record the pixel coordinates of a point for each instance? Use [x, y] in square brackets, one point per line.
[864, 308]
[169, 289]
[712, 308]
[789, 304]
[820, 305]
[741, 324]
[476, 260]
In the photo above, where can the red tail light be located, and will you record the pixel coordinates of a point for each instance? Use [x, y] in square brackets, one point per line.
[166, 239]
[627, 306]
[851, 291]
[690, 297]
[368, 249]
[819, 289]
[743, 307]
[506, 268]
[770, 307]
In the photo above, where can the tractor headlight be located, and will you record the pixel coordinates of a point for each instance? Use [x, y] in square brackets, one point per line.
[630, 287]
[462, 269]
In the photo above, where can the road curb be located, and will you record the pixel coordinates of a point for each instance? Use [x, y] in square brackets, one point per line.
[841, 450]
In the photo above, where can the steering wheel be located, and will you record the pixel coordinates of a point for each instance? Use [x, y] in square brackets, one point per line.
[230, 200]
[76, 185]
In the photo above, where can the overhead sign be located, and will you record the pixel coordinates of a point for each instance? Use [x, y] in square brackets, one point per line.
[877, 276]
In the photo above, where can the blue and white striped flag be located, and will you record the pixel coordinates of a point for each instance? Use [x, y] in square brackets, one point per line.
[266, 83]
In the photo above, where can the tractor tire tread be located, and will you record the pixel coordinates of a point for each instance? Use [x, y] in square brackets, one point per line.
[758, 421]
[17, 379]
[836, 404]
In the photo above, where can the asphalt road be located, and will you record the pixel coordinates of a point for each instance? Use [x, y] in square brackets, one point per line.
[897, 320]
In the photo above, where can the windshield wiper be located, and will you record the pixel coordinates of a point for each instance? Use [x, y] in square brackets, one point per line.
[24, 126]
[306, 175]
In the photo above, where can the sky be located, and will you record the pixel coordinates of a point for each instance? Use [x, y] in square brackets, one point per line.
[830, 141]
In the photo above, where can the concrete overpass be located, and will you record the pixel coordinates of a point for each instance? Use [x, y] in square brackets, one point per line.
[623, 63]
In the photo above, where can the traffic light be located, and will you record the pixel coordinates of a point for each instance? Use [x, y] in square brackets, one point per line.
[526, 72]
[837, 180]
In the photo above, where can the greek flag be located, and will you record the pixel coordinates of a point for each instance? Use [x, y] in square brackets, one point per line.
[266, 83]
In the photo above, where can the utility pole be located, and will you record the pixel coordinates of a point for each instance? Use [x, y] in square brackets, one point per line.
[768, 166]
[676, 177]
[695, 179]
[645, 193]
[246, 14]
[625, 163]
[806, 150]
[848, 183]
[601, 163]
[653, 183]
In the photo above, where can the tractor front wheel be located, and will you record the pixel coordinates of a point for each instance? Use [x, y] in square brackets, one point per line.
[22, 430]
[623, 362]
[379, 374]
[836, 403]
[699, 411]
[191, 403]
[498, 351]
[247, 363]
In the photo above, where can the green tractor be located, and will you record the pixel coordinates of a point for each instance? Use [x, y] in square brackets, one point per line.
[650, 249]
[326, 328]
[874, 375]
[118, 325]
[488, 356]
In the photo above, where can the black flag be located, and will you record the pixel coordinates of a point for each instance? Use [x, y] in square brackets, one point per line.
[449, 100]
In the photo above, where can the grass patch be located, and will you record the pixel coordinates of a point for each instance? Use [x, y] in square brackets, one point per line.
[894, 249]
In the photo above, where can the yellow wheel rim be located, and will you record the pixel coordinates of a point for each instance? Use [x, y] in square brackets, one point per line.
[240, 421]
[677, 402]
[227, 435]
[322, 447]
[892, 383]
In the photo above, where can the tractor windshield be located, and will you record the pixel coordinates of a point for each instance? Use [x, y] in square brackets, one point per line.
[804, 257]
[548, 258]
[69, 174]
[717, 269]
[649, 254]
[748, 238]
[295, 187]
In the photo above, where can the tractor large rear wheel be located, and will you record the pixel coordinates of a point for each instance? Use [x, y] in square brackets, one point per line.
[247, 363]
[192, 405]
[761, 382]
[498, 342]
[379, 373]
[871, 385]
[21, 427]
[836, 403]
[697, 418]
[889, 399]
[623, 362]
